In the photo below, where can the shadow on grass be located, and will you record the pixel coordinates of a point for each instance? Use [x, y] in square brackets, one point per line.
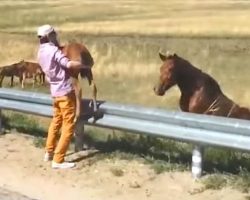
[22, 124]
[169, 152]
[164, 154]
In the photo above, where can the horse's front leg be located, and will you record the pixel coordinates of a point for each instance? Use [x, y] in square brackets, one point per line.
[43, 78]
[34, 77]
[79, 126]
[94, 90]
[23, 80]
[40, 80]
[12, 81]
[1, 80]
[94, 94]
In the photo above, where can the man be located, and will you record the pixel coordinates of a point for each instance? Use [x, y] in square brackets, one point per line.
[54, 64]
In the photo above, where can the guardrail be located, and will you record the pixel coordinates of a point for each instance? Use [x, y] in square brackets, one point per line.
[195, 128]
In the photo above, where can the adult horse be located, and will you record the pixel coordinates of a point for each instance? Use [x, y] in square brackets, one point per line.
[200, 93]
[78, 52]
[10, 71]
[30, 70]
[22, 70]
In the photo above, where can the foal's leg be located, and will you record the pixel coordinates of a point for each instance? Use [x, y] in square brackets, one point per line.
[34, 80]
[79, 126]
[94, 94]
[43, 78]
[40, 79]
[23, 80]
[78, 93]
[12, 81]
[1, 80]
[94, 89]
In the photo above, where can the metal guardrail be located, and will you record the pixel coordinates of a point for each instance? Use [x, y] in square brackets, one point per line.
[195, 128]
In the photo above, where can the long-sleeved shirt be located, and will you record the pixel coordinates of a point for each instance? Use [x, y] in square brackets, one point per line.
[54, 63]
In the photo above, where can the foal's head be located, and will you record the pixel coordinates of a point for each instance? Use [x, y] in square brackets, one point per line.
[168, 72]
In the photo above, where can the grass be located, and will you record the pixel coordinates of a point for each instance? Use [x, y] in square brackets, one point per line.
[23, 124]
[222, 167]
[126, 59]
[217, 181]
[124, 37]
[123, 17]
[128, 74]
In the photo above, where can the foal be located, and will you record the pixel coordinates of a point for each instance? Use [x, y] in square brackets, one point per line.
[200, 93]
[78, 52]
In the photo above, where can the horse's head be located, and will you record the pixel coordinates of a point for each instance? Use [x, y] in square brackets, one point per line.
[167, 74]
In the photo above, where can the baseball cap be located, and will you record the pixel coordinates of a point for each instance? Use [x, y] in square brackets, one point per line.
[44, 30]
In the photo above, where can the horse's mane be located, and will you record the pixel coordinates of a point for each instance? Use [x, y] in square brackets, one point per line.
[187, 66]
[196, 73]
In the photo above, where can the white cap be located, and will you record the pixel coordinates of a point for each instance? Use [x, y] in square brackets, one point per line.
[44, 30]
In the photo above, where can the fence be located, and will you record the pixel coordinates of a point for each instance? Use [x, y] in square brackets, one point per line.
[195, 128]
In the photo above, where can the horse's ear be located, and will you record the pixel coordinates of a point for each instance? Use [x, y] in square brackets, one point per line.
[170, 54]
[163, 57]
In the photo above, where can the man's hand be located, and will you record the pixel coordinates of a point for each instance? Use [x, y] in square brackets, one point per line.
[76, 65]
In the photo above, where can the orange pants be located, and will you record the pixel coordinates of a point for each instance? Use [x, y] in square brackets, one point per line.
[63, 117]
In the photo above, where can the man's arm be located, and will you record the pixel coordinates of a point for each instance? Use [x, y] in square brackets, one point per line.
[75, 65]
[65, 62]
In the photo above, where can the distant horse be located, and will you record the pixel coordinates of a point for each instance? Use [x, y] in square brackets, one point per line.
[10, 71]
[78, 52]
[30, 70]
[22, 70]
[200, 93]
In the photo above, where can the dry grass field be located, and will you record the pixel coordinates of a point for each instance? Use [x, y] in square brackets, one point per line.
[124, 37]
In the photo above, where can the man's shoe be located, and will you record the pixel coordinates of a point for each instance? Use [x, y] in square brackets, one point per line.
[48, 157]
[63, 165]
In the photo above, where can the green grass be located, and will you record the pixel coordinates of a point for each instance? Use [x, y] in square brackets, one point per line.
[23, 124]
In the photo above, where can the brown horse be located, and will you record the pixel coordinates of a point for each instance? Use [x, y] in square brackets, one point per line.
[22, 70]
[200, 93]
[30, 70]
[78, 52]
[10, 71]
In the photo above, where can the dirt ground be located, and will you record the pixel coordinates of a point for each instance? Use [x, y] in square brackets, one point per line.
[22, 170]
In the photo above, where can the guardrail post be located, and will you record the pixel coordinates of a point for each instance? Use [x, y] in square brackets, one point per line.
[197, 161]
[79, 135]
[1, 122]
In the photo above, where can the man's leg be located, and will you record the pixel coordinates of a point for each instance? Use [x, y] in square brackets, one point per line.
[67, 106]
[54, 127]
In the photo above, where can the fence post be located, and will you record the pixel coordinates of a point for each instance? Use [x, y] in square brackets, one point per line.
[197, 161]
[79, 135]
[1, 122]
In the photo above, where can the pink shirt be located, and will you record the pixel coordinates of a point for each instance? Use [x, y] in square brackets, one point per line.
[53, 63]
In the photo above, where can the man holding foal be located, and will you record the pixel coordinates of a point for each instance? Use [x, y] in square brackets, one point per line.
[54, 64]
